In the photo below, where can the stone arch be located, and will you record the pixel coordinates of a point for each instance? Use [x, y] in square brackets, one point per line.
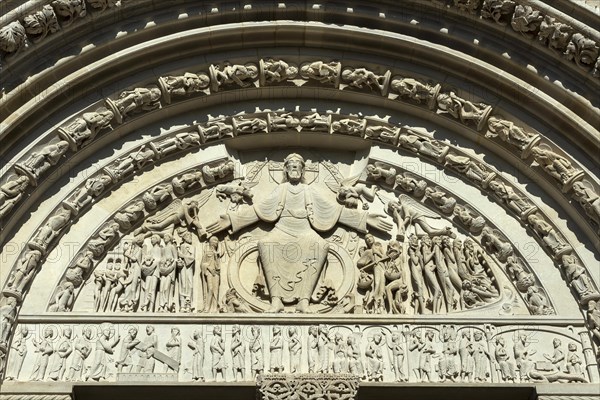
[401, 54]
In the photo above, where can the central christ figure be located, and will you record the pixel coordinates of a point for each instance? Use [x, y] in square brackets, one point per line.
[293, 254]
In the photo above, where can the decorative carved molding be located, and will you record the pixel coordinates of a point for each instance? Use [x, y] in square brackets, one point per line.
[280, 386]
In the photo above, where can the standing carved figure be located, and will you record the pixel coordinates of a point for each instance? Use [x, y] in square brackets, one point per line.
[397, 349]
[50, 230]
[18, 352]
[105, 346]
[238, 353]
[426, 350]
[167, 270]
[11, 193]
[174, 348]
[355, 364]
[185, 276]
[256, 351]
[481, 356]
[81, 131]
[276, 351]
[82, 348]
[8, 316]
[135, 101]
[340, 354]
[211, 272]
[578, 278]
[523, 353]
[465, 351]
[374, 355]
[217, 351]
[45, 349]
[146, 349]
[313, 349]
[506, 367]
[124, 362]
[295, 348]
[197, 345]
[62, 352]
[25, 270]
[324, 347]
[447, 365]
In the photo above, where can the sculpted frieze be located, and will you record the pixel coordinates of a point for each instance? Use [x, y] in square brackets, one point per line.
[364, 79]
[183, 85]
[276, 71]
[217, 352]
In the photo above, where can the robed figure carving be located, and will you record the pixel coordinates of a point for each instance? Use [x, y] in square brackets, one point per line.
[293, 254]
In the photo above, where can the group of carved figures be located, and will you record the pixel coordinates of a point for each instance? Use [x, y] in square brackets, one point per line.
[437, 274]
[241, 353]
[159, 276]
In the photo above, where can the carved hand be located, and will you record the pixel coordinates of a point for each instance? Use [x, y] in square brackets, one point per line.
[223, 223]
[379, 222]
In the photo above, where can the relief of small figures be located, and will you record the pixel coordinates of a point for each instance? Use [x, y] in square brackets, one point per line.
[349, 126]
[464, 110]
[322, 72]
[421, 145]
[237, 74]
[8, 317]
[448, 367]
[512, 134]
[11, 193]
[516, 203]
[215, 128]
[187, 84]
[362, 78]
[40, 161]
[470, 168]
[295, 347]
[504, 364]
[83, 130]
[220, 171]
[257, 361]
[23, 273]
[588, 198]
[416, 91]
[276, 71]
[411, 183]
[50, 231]
[578, 279]
[378, 171]
[84, 196]
[134, 101]
[469, 218]
[556, 166]
[549, 236]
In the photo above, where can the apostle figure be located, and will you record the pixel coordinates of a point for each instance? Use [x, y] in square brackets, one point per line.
[298, 212]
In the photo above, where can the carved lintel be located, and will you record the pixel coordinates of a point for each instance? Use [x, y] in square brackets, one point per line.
[325, 386]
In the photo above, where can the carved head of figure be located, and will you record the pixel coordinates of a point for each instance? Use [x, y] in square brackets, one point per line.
[294, 167]
[168, 238]
[377, 338]
[394, 249]
[48, 333]
[213, 242]
[255, 330]
[235, 330]
[556, 343]
[132, 331]
[313, 331]
[217, 330]
[429, 335]
[477, 336]
[155, 240]
[175, 332]
[149, 329]
[499, 341]
[572, 347]
[87, 333]
[67, 332]
[369, 240]
[187, 237]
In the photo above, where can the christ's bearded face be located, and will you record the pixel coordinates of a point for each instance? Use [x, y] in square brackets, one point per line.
[294, 169]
